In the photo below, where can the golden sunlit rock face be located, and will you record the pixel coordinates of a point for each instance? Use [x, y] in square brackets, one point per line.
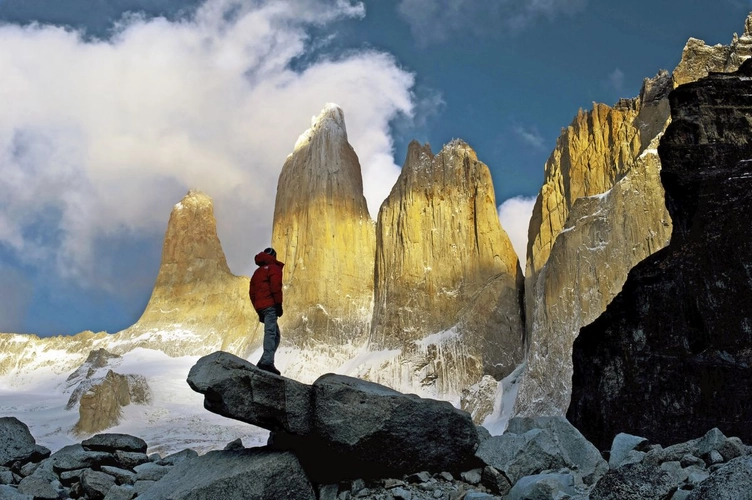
[325, 236]
[600, 211]
[195, 292]
[699, 59]
[448, 282]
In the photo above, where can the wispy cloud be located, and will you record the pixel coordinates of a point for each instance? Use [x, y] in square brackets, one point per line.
[514, 215]
[99, 138]
[615, 81]
[438, 20]
[530, 136]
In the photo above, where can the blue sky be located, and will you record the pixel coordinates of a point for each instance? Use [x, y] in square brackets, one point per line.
[113, 109]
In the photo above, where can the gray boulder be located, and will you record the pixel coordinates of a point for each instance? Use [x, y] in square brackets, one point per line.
[543, 486]
[234, 388]
[634, 482]
[626, 448]
[11, 493]
[96, 484]
[16, 442]
[151, 471]
[129, 459]
[39, 488]
[178, 457]
[75, 457]
[339, 427]
[733, 481]
[252, 474]
[118, 492]
[111, 442]
[534, 445]
[369, 430]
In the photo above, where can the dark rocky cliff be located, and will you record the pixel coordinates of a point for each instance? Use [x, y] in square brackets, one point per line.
[672, 355]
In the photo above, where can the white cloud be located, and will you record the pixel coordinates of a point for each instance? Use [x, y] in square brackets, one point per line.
[616, 80]
[101, 138]
[438, 20]
[514, 215]
[530, 136]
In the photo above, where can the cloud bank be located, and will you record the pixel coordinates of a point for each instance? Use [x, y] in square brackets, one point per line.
[99, 138]
[434, 21]
[514, 215]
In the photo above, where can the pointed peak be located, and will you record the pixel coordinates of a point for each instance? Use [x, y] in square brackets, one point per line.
[193, 199]
[331, 119]
[748, 25]
[458, 145]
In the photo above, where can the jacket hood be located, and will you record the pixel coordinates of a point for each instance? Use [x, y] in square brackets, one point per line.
[264, 259]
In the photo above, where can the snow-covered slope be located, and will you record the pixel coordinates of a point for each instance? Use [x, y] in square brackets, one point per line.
[174, 420]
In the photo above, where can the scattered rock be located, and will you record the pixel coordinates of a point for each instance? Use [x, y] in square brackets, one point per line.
[543, 486]
[733, 481]
[114, 442]
[634, 482]
[96, 484]
[621, 447]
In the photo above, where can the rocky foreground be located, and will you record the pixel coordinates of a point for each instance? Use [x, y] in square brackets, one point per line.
[342, 438]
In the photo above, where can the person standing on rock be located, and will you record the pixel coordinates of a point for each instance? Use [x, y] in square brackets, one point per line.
[266, 296]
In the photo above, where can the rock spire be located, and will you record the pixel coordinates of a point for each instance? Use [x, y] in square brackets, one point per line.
[197, 304]
[325, 236]
[448, 282]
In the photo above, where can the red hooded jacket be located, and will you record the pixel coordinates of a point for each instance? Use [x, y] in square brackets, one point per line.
[266, 283]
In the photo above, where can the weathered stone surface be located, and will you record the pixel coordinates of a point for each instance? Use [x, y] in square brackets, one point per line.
[325, 236]
[254, 474]
[130, 459]
[621, 447]
[634, 482]
[121, 492]
[38, 488]
[75, 457]
[604, 236]
[178, 457]
[687, 305]
[234, 388]
[122, 476]
[96, 484]
[534, 445]
[370, 430]
[16, 442]
[733, 481]
[543, 486]
[698, 59]
[151, 471]
[448, 282]
[11, 493]
[112, 442]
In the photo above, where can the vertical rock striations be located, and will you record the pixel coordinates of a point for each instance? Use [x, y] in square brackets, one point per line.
[671, 356]
[197, 305]
[325, 236]
[599, 212]
[448, 283]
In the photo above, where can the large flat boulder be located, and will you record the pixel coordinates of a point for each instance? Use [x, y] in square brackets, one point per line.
[340, 427]
[253, 474]
[372, 430]
[236, 389]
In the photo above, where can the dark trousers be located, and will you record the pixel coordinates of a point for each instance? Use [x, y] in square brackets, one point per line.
[271, 336]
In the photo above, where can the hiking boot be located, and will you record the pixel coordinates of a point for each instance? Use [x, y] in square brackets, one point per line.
[268, 368]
